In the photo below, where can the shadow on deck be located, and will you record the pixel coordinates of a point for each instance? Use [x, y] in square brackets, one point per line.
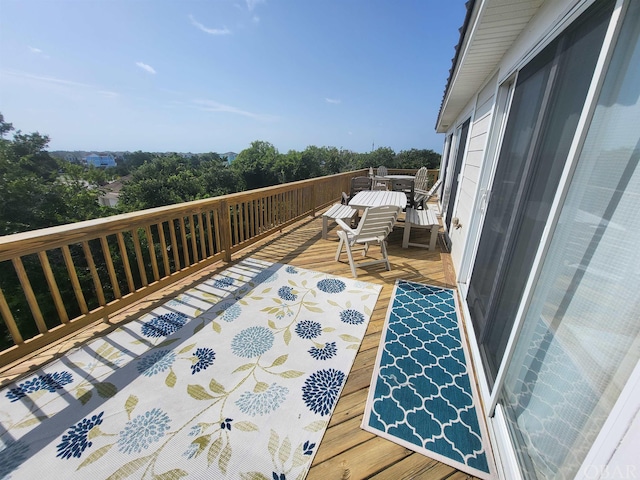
[346, 451]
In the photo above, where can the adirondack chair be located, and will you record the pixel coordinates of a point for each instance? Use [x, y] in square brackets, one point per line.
[422, 179]
[378, 182]
[358, 184]
[374, 227]
[404, 185]
[421, 197]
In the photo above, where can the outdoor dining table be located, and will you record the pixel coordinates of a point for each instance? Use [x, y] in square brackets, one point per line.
[400, 177]
[377, 198]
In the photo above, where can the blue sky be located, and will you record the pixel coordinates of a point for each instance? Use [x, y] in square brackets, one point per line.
[216, 75]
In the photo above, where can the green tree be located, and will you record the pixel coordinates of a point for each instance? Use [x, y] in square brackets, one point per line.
[37, 191]
[33, 191]
[171, 179]
[415, 158]
[256, 165]
[333, 161]
[381, 156]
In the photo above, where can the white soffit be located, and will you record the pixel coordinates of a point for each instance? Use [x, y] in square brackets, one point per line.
[491, 32]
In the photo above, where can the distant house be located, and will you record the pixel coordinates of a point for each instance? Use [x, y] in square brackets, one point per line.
[111, 193]
[100, 161]
[230, 156]
[541, 189]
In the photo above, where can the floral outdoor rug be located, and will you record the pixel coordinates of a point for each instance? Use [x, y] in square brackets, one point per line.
[235, 378]
[421, 394]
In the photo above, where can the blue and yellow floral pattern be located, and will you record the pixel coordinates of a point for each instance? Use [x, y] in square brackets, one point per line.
[235, 378]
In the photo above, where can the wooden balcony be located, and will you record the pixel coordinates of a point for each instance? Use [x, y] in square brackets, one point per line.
[196, 240]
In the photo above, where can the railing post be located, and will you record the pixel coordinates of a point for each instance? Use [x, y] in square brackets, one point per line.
[225, 233]
[313, 200]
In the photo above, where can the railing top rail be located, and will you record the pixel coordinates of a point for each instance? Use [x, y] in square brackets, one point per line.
[53, 237]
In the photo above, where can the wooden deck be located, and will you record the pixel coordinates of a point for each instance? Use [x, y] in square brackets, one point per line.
[346, 452]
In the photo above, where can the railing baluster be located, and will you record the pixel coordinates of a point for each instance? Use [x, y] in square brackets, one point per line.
[185, 245]
[163, 248]
[125, 262]
[30, 296]
[249, 210]
[9, 321]
[94, 273]
[194, 245]
[210, 233]
[174, 244]
[139, 259]
[246, 221]
[53, 287]
[106, 251]
[203, 239]
[152, 253]
[73, 276]
[225, 231]
[233, 217]
[217, 226]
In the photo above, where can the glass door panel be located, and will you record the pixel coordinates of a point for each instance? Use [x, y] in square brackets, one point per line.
[581, 334]
[547, 103]
[463, 133]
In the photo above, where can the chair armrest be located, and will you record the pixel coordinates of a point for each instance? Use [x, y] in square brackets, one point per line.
[344, 226]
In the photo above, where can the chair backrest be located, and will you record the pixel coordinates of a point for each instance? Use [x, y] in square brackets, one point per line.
[422, 179]
[433, 189]
[405, 185]
[376, 223]
[382, 171]
[359, 184]
[421, 197]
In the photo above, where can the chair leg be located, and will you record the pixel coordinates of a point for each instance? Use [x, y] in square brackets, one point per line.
[339, 250]
[351, 262]
[383, 249]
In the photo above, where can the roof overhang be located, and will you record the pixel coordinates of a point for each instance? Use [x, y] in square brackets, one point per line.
[490, 28]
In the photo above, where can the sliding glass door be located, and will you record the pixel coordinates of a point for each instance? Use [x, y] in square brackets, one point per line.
[548, 100]
[463, 133]
[580, 338]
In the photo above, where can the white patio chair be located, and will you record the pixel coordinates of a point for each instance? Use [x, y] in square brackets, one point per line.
[374, 227]
[421, 197]
[379, 182]
[422, 179]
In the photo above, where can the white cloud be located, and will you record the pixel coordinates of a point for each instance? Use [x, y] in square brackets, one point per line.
[333, 100]
[71, 85]
[43, 79]
[210, 31]
[147, 68]
[251, 4]
[35, 50]
[108, 94]
[211, 106]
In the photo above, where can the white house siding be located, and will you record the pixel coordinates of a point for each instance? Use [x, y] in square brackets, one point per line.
[476, 146]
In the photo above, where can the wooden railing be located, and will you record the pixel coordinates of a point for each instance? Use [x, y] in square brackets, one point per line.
[57, 280]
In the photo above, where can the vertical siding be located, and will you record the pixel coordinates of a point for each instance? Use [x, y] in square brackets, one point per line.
[474, 157]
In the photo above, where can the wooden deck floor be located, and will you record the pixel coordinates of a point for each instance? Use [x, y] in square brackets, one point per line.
[346, 451]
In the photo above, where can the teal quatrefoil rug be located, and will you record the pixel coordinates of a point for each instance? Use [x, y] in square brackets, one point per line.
[421, 395]
[234, 378]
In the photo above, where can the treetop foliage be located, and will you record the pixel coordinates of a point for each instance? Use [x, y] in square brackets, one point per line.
[38, 190]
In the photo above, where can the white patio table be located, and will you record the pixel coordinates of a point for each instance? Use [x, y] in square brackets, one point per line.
[402, 177]
[377, 198]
